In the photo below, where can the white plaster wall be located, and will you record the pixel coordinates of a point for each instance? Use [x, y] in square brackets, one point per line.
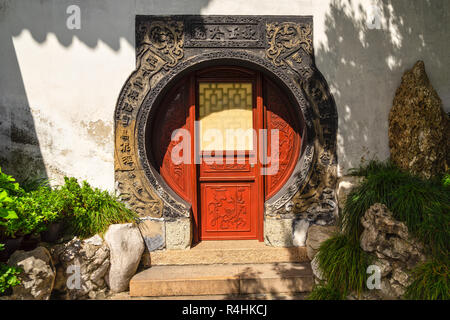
[58, 87]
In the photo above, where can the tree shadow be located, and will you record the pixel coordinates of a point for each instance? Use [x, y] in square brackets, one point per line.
[280, 281]
[364, 64]
[106, 22]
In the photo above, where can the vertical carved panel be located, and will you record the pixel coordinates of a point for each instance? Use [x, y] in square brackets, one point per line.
[173, 115]
[290, 47]
[160, 48]
[279, 118]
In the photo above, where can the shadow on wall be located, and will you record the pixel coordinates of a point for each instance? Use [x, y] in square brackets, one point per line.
[363, 66]
[107, 21]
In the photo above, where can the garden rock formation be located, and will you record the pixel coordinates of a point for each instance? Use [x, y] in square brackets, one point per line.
[74, 269]
[395, 251]
[419, 129]
[38, 276]
[317, 235]
[126, 246]
[82, 266]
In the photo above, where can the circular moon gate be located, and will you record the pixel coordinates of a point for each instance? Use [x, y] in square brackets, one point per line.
[235, 58]
[280, 48]
[223, 98]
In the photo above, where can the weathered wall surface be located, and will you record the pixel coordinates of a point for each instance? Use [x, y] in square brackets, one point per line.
[58, 87]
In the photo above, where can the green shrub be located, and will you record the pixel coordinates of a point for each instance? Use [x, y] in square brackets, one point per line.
[446, 180]
[86, 210]
[9, 184]
[325, 292]
[35, 211]
[343, 263]
[6, 211]
[8, 275]
[422, 204]
[430, 282]
[90, 210]
[8, 189]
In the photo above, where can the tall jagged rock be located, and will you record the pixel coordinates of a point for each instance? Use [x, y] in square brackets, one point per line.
[419, 129]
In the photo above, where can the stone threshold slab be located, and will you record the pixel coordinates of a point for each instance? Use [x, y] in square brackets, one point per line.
[192, 280]
[250, 296]
[228, 252]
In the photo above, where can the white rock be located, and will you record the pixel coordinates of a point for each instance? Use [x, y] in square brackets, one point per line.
[278, 232]
[178, 234]
[95, 240]
[300, 232]
[126, 247]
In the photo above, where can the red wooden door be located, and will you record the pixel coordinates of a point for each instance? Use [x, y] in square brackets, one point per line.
[229, 183]
[224, 180]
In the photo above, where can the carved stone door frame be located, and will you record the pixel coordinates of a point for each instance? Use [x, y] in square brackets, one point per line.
[281, 47]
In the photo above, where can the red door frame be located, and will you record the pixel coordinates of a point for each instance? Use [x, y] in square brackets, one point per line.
[226, 75]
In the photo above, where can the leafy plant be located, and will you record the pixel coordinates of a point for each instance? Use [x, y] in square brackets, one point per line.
[5, 211]
[34, 213]
[9, 184]
[33, 184]
[325, 292]
[90, 210]
[423, 205]
[430, 282]
[32, 208]
[8, 275]
[8, 187]
[446, 180]
[344, 264]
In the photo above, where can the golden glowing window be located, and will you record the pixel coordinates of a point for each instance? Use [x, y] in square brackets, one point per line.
[225, 116]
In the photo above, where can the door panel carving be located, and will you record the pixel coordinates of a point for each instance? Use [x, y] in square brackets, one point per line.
[279, 118]
[227, 207]
[173, 114]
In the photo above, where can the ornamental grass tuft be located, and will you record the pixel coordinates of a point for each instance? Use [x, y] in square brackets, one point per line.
[423, 205]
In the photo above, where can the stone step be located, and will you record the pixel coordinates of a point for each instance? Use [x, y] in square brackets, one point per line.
[231, 279]
[231, 252]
